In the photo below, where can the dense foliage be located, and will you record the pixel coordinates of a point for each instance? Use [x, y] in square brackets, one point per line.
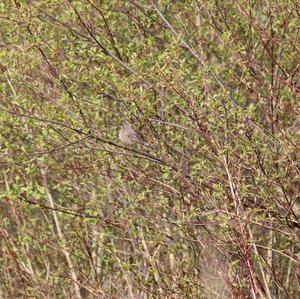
[207, 206]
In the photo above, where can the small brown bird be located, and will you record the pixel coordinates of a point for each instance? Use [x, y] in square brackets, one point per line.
[128, 135]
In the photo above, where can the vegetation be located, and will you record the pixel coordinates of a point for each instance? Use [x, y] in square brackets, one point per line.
[207, 206]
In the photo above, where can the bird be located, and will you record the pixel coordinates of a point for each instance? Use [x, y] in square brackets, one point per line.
[128, 135]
